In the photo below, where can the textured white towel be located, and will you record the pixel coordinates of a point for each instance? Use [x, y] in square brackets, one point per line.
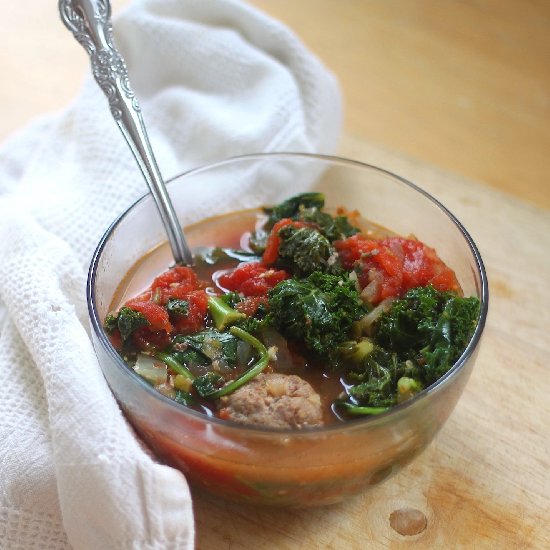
[215, 78]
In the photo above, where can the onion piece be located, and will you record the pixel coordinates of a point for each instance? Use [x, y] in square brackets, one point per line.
[368, 320]
[153, 371]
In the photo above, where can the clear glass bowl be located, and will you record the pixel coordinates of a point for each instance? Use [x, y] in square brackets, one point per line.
[286, 468]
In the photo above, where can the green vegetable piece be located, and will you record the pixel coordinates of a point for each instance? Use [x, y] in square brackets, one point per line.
[378, 389]
[111, 323]
[208, 384]
[305, 250]
[209, 345]
[185, 398]
[358, 410]
[290, 207]
[190, 357]
[319, 311]
[356, 351]
[129, 320]
[222, 314]
[231, 298]
[407, 388]
[259, 322]
[213, 255]
[174, 364]
[429, 326]
[175, 306]
[332, 227]
[207, 387]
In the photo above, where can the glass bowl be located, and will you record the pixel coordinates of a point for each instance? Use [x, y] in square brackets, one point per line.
[286, 468]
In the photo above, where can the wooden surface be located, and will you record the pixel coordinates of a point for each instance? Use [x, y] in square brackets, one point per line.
[463, 85]
[460, 84]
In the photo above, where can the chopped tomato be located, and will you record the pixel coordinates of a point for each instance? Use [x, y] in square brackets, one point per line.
[271, 252]
[177, 282]
[252, 279]
[351, 250]
[422, 266]
[180, 276]
[155, 314]
[194, 320]
[116, 339]
[250, 305]
[144, 338]
[391, 266]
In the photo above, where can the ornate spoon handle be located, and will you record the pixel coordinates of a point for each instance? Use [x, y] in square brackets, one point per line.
[90, 23]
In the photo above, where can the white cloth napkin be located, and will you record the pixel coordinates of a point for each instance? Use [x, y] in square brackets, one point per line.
[215, 78]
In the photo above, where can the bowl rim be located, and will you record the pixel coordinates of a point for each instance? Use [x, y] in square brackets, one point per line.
[356, 423]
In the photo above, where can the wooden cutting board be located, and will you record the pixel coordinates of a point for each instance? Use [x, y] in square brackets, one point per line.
[485, 480]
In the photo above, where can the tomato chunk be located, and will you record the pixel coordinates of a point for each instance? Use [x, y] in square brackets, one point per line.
[422, 266]
[178, 276]
[252, 279]
[155, 314]
[194, 320]
[144, 338]
[389, 267]
[181, 283]
[250, 305]
[271, 252]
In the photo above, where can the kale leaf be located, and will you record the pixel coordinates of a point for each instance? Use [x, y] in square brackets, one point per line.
[378, 390]
[126, 321]
[175, 306]
[292, 206]
[307, 207]
[111, 323]
[184, 398]
[429, 327]
[415, 343]
[319, 310]
[190, 357]
[373, 377]
[332, 227]
[305, 250]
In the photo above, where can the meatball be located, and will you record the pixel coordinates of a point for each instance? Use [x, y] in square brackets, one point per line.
[274, 401]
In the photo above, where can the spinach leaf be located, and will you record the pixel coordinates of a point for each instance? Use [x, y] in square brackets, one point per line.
[207, 346]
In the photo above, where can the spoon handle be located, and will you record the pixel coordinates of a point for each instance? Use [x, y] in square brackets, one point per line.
[90, 23]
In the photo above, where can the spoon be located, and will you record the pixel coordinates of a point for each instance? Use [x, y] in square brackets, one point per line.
[90, 23]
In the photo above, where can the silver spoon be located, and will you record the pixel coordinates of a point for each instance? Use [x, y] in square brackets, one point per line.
[90, 23]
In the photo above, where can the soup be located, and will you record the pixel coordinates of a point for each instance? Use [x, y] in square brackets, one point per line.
[293, 317]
